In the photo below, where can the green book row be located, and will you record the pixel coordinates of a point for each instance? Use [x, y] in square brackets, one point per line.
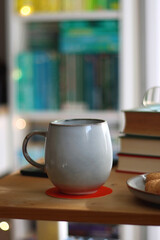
[49, 81]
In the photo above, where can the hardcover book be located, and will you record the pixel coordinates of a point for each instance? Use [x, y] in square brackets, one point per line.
[137, 163]
[141, 145]
[142, 121]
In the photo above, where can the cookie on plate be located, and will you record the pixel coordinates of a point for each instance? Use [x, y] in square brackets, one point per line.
[153, 186]
[152, 176]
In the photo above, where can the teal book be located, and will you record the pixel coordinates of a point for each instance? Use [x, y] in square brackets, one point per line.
[108, 26]
[24, 93]
[79, 78]
[40, 61]
[106, 81]
[97, 42]
[90, 75]
[53, 88]
[85, 37]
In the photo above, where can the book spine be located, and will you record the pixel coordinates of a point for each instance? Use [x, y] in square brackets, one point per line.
[24, 95]
[67, 5]
[138, 156]
[20, 4]
[79, 79]
[113, 4]
[77, 5]
[106, 81]
[89, 43]
[89, 5]
[42, 36]
[62, 79]
[53, 82]
[101, 4]
[54, 5]
[89, 39]
[97, 89]
[114, 81]
[40, 76]
[89, 80]
[72, 78]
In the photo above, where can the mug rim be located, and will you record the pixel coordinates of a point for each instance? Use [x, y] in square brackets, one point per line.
[91, 121]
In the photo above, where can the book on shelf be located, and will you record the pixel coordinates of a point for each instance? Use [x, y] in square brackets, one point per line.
[142, 121]
[89, 37]
[53, 97]
[98, 77]
[113, 4]
[140, 145]
[132, 163]
[37, 85]
[40, 81]
[74, 36]
[42, 36]
[66, 5]
[89, 5]
[82, 81]
[87, 77]
[47, 5]
[24, 81]
[52, 81]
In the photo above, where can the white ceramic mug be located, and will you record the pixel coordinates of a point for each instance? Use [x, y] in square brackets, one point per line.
[78, 154]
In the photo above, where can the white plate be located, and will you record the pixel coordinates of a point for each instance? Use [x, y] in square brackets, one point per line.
[137, 186]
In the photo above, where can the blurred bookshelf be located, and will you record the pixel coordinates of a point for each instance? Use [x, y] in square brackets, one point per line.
[66, 59]
[63, 61]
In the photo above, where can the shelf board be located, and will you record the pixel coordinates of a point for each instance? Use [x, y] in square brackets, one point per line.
[61, 16]
[40, 116]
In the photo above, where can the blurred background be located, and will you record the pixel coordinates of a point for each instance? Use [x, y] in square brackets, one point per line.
[69, 59]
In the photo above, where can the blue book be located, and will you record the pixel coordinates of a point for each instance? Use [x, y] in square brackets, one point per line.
[40, 62]
[90, 75]
[94, 43]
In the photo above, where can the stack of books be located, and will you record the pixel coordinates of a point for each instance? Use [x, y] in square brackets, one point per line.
[140, 141]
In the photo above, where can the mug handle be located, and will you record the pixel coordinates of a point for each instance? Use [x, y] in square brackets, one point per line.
[25, 152]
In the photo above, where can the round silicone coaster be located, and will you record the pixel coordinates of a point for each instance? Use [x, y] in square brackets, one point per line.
[102, 191]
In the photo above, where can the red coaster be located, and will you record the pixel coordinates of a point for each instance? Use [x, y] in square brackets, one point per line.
[102, 191]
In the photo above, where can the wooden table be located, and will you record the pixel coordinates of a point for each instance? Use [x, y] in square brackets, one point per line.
[23, 197]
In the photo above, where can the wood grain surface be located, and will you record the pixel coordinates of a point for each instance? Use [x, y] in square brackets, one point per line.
[23, 197]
